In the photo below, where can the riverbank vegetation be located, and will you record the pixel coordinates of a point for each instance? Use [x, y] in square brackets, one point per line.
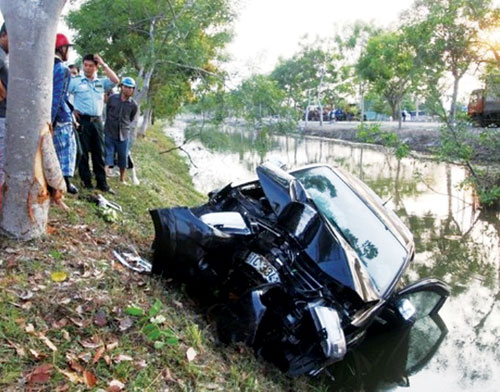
[72, 317]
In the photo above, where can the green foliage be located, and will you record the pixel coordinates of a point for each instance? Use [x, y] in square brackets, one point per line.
[372, 133]
[176, 41]
[151, 322]
[307, 75]
[256, 98]
[389, 65]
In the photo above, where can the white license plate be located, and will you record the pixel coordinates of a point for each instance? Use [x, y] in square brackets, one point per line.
[263, 267]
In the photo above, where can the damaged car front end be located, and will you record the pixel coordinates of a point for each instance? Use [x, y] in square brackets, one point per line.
[302, 264]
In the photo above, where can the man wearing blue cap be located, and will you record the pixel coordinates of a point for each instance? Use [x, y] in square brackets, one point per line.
[120, 113]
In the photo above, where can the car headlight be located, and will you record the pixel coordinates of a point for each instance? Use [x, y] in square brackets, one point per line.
[332, 339]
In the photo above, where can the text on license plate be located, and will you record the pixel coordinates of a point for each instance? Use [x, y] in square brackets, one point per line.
[263, 267]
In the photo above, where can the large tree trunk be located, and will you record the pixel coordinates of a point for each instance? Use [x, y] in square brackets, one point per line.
[31, 27]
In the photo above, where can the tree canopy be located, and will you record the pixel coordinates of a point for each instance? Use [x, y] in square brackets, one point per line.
[167, 44]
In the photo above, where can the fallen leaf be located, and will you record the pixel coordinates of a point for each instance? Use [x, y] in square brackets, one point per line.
[19, 350]
[89, 378]
[76, 366]
[115, 386]
[85, 357]
[10, 251]
[78, 323]
[47, 342]
[38, 356]
[62, 388]
[122, 357]
[65, 335]
[40, 375]
[30, 329]
[73, 377]
[90, 343]
[98, 354]
[60, 323]
[27, 305]
[141, 364]
[101, 318]
[191, 354]
[167, 375]
[58, 276]
[25, 295]
[126, 323]
[111, 346]
[212, 386]
[107, 359]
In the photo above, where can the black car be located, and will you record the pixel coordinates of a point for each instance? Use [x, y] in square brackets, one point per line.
[300, 264]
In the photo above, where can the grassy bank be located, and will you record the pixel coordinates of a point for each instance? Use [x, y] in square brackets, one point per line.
[72, 318]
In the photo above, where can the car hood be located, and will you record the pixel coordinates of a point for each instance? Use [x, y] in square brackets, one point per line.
[332, 253]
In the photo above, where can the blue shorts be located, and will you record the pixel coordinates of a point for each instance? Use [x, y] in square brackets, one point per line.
[120, 148]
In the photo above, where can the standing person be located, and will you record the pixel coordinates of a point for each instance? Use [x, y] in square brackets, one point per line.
[88, 92]
[120, 113]
[4, 76]
[62, 117]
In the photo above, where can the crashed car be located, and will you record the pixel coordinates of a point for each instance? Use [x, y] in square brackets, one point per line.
[300, 264]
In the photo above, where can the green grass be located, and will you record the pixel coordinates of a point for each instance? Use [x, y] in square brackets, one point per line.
[33, 305]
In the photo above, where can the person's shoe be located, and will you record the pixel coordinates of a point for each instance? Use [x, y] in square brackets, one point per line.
[70, 187]
[106, 188]
[87, 185]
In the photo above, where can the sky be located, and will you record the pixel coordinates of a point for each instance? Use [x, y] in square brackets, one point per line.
[268, 29]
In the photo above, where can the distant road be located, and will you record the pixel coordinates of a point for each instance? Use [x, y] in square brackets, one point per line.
[385, 125]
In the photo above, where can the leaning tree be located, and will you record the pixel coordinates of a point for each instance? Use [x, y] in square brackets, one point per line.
[31, 27]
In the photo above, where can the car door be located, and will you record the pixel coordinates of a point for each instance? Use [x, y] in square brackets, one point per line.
[427, 296]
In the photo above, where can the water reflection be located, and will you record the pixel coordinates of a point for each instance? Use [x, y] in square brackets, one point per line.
[454, 241]
[388, 360]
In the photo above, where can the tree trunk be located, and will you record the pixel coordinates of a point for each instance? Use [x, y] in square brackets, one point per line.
[146, 121]
[456, 81]
[140, 96]
[31, 27]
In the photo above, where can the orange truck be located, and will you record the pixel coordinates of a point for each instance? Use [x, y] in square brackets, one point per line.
[484, 108]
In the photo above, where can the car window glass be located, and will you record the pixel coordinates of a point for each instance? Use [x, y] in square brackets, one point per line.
[377, 247]
[424, 302]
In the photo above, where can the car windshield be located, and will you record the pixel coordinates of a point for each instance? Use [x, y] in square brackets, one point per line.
[377, 247]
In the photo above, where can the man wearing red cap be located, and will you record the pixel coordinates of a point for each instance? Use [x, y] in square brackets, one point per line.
[62, 117]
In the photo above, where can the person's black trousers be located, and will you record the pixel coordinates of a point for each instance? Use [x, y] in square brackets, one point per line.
[92, 141]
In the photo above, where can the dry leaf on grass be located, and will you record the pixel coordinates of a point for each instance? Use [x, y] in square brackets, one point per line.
[126, 323]
[47, 342]
[98, 354]
[19, 350]
[40, 375]
[191, 354]
[89, 378]
[115, 386]
[73, 377]
[122, 357]
[38, 356]
[101, 318]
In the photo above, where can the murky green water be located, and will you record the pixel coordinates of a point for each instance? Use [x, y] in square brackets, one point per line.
[454, 241]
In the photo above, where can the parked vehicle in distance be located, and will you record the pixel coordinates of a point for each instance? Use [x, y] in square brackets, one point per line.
[484, 108]
[299, 265]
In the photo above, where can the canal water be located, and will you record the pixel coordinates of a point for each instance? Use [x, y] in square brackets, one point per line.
[455, 242]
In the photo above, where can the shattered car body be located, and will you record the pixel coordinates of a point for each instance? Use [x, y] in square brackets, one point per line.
[302, 264]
